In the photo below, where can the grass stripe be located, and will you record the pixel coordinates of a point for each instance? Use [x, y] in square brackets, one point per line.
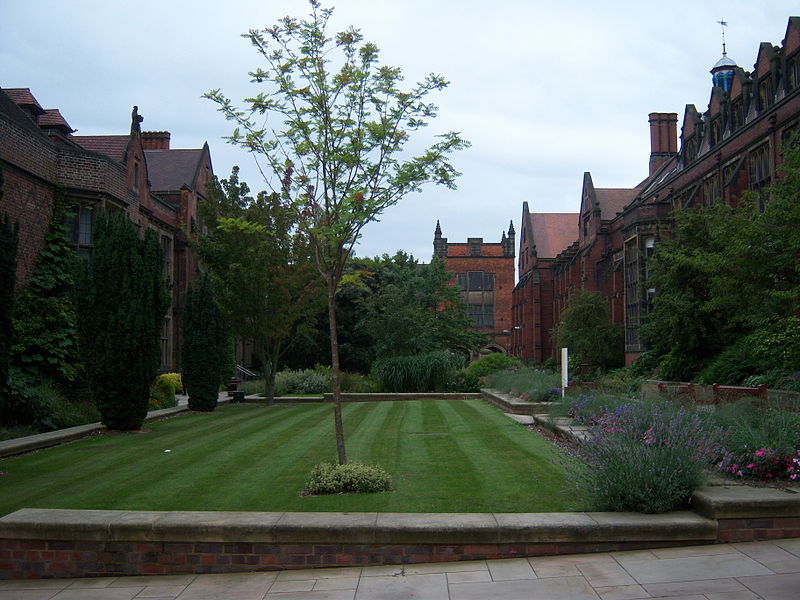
[443, 455]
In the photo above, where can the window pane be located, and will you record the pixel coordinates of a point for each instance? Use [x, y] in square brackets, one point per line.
[488, 281]
[85, 226]
[475, 280]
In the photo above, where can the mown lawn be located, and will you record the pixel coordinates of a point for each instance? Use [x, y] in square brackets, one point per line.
[444, 456]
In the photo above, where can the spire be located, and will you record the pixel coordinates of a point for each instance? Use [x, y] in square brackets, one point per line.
[722, 73]
[439, 243]
[511, 228]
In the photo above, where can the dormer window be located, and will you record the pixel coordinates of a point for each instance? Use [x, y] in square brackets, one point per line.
[765, 93]
[690, 149]
[737, 114]
[715, 132]
[793, 72]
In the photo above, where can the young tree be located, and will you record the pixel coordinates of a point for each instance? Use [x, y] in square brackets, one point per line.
[587, 330]
[342, 134]
[120, 316]
[205, 347]
[264, 278]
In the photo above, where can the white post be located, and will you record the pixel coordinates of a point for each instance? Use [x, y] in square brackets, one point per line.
[564, 371]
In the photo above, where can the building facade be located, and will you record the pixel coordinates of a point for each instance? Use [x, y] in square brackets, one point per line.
[134, 173]
[485, 273]
[731, 148]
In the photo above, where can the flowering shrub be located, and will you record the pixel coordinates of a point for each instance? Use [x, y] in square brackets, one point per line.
[647, 456]
[760, 443]
[764, 463]
[588, 409]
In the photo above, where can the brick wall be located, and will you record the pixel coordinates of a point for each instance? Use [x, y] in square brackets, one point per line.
[37, 559]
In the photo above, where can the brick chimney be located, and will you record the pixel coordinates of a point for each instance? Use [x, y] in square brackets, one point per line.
[155, 140]
[663, 138]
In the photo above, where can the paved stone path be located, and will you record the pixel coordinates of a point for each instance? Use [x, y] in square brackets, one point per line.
[745, 571]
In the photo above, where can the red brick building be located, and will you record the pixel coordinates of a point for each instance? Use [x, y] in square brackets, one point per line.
[136, 173]
[731, 148]
[485, 273]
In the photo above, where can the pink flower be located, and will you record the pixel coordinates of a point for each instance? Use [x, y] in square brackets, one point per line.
[751, 465]
[760, 453]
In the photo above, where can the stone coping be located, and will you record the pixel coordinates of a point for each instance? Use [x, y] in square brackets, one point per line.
[354, 528]
[387, 397]
[509, 403]
[746, 502]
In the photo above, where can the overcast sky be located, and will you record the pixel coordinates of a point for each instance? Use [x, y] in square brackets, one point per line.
[544, 90]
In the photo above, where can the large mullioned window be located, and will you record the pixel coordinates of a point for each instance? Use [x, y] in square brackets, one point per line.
[479, 296]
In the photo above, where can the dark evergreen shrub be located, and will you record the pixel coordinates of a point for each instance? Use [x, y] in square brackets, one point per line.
[8, 268]
[205, 345]
[121, 312]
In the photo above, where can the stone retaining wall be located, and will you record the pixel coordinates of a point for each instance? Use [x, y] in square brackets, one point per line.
[37, 543]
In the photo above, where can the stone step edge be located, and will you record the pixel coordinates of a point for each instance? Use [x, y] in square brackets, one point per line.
[354, 528]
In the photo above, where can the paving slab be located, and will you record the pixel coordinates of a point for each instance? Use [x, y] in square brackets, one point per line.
[572, 588]
[621, 592]
[702, 586]
[774, 587]
[510, 569]
[427, 587]
[694, 568]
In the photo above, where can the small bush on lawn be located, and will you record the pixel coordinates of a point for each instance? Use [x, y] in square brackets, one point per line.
[532, 385]
[355, 477]
[647, 457]
[491, 363]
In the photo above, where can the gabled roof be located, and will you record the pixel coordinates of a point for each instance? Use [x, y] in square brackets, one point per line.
[170, 170]
[23, 98]
[553, 232]
[613, 200]
[52, 117]
[113, 146]
[12, 111]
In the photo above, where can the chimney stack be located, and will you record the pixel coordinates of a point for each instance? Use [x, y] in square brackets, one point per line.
[155, 140]
[663, 138]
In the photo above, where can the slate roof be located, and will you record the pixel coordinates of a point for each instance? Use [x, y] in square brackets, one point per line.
[553, 232]
[110, 145]
[613, 200]
[170, 170]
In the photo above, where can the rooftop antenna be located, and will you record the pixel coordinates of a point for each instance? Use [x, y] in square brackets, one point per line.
[723, 24]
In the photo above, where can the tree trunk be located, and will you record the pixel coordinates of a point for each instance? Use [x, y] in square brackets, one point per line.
[269, 372]
[336, 372]
[274, 349]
